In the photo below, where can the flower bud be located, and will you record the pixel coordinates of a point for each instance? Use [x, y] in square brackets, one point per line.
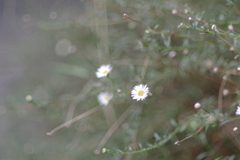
[231, 49]
[197, 105]
[174, 11]
[29, 98]
[230, 27]
[225, 92]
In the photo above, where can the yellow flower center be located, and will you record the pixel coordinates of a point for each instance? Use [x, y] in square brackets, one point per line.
[106, 98]
[140, 93]
[104, 72]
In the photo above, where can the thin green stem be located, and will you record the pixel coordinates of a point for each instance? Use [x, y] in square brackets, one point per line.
[208, 31]
[104, 150]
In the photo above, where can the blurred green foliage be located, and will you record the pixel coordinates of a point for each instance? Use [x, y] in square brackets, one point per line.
[53, 49]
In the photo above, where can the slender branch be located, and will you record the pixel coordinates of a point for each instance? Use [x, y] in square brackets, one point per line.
[206, 110]
[125, 16]
[113, 128]
[74, 119]
[208, 31]
[236, 30]
[177, 143]
[80, 97]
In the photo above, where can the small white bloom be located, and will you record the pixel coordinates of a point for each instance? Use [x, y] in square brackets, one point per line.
[225, 92]
[230, 27]
[235, 128]
[172, 54]
[140, 92]
[29, 98]
[104, 98]
[238, 111]
[174, 11]
[214, 27]
[103, 71]
[231, 49]
[197, 105]
[215, 69]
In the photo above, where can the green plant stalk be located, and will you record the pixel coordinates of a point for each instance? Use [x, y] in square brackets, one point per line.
[104, 150]
[212, 32]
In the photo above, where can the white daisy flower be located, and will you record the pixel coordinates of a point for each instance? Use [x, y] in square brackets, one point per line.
[140, 92]
[238, 110]
[103, 71]
[104, 98]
